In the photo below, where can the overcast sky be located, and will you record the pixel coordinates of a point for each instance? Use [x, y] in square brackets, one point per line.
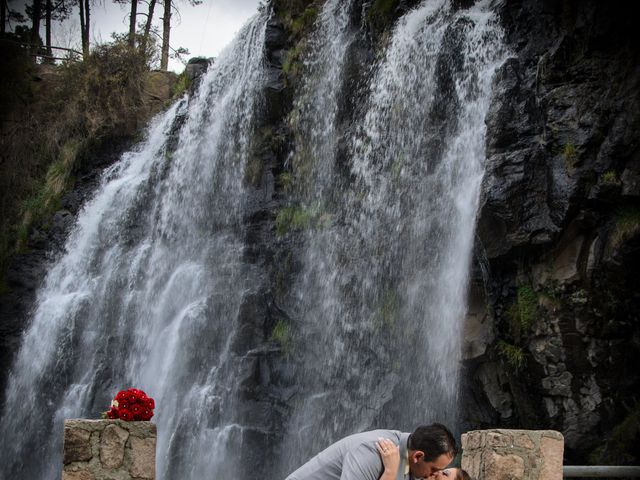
[204, 29]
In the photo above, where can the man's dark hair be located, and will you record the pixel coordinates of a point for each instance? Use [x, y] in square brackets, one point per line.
[433, 440]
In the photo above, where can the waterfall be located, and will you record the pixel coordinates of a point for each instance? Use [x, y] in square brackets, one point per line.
[381, 299]
[149, 287]
[155, 281]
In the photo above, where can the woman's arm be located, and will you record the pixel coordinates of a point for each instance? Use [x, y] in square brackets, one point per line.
[390, 454]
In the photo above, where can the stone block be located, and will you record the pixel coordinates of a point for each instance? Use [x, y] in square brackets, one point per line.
[503, 467]
[112, 446]
[498, 439]
[109, 450]
[503, 454]
[471, 440]
[522, 440]
[77, 475]
[552, 451]
[77, 444]
[472, 463]
[143, 456]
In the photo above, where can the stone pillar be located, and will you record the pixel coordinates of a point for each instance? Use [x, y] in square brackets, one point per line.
[513, 454]
[100, 449]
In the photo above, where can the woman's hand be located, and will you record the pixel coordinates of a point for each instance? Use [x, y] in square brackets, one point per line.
[390, 454]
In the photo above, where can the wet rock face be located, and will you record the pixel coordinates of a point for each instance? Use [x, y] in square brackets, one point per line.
[559, 226]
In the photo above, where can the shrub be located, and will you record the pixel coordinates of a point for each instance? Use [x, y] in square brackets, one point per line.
[610, 177]
[281, 334]
[627, 225]
[73, 107]
[381, 13]
[512, 354]
[301, 218]
[285, 180]
[182, 85]
[570, 155]
[527, 305]
[293, 218]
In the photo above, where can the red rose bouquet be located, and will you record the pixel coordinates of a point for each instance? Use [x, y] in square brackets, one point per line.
[132, 404]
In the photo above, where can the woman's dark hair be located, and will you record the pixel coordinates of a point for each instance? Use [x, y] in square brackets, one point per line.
[433, 440]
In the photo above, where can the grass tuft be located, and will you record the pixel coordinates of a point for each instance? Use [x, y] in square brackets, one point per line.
[627, 225]
[512, 354]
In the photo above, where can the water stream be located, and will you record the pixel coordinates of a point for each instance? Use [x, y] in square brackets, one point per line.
[150, 287]
[382, 297]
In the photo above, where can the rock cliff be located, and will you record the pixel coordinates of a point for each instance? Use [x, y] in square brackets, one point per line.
[553, 313]
[558, 232]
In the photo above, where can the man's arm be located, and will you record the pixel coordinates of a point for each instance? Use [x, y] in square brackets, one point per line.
[365, 463]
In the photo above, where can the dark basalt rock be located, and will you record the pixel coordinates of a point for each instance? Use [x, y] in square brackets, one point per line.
[562, 170]
[196, 67]
[560, 187]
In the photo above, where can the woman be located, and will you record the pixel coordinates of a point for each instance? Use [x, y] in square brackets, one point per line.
[452, 474]
[390, 455]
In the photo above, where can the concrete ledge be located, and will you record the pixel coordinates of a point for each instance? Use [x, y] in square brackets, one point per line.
[109, 449]
[513, 454]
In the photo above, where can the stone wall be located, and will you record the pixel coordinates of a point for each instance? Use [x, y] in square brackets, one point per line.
[513, 454]
[109, 449]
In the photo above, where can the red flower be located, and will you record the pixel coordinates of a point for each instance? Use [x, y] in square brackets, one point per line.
[125, 414]
[113, 413]
[132, 404]
[146, 414]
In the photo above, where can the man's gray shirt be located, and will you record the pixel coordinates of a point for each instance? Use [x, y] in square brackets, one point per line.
[353, 458]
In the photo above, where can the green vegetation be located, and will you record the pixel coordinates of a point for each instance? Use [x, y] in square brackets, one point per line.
[292, 66]
[302, 164]
[281, 334]
[298, 26]
[182, 85]
[283, 272]
[610, 177]
[59, 114]
[523, 312]
[387, 311]
[253, 170]
[297, 16]
[570, 155]
[512, 354]
[285, 181]
[265, 141]
[396, 168]
[620, 446]
[301, 218]
[527, 305]
[381, 13]
[293, 218]
[627, 225]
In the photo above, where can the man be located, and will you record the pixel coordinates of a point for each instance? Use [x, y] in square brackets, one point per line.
[429, 449]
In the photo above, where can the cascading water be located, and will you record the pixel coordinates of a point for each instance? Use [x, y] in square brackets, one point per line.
[149, 287]
[154, 278]
[317, 104]
[381, 299]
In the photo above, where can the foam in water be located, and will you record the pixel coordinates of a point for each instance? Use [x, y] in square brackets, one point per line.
[382, 297]
[149, 287]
